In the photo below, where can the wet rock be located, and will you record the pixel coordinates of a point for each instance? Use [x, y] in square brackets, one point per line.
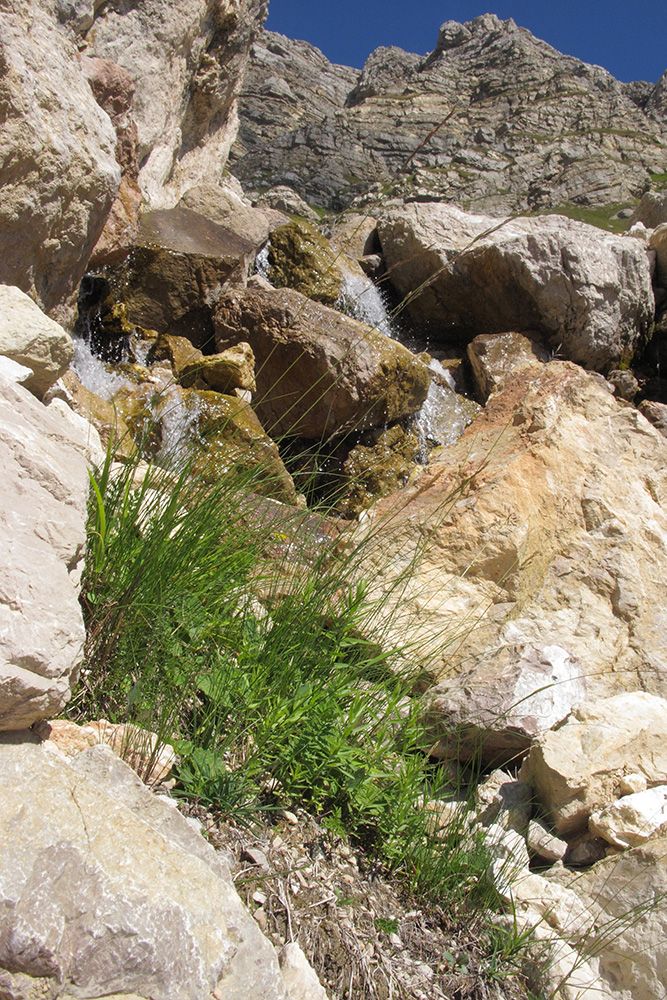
[588, 293]
[383, 463]
[30, 338]
[578, 768]
[301, 258]
[230, 439]
[492, 356]
[173, 277]
[43, 532]
[319, 373]
[231, 369]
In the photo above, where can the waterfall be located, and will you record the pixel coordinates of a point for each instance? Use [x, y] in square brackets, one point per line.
[364, 301]
[444, 414]
[94, 374]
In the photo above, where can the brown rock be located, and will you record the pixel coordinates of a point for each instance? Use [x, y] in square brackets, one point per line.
[302, 259]
[172, 278]
[492, 356]
[223, 372]
[319, 372]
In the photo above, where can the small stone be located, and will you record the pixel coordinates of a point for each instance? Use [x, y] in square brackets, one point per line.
[395, 941]
[262, 919]
[543, 843]
[259, 898]
[256, 857]
[631, 783]
[289, 817]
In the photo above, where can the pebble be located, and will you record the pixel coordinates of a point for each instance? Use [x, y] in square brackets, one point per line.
[262, 919]
[256, 857]
[289, 817]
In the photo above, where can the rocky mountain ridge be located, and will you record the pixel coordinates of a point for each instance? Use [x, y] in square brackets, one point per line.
[493, 119]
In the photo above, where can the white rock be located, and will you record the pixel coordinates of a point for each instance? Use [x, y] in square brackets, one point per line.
[87, 434]
[55, 205]
[106, 890]
[43, 497]
[632, 819]
[584, 765]
[300, 977]
[30, 338]
[13, 371]
[542, 842]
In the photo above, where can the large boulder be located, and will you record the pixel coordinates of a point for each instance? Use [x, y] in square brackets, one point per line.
[319, 372]
[32, 339]
[582, 766]
[586, 291]
[186, 59]
[627, 895]
[42, 538]
[544, 525]
[174, 274]
[58, 168]
[106, 889]
[301, 258]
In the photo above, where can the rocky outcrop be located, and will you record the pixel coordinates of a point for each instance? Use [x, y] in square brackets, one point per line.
[546, 526]
[106, 889]
[493, 117]
[587, 292]
[43, 531]
[319, 373]
[597, 757]
[30, 338]
[186, 61]
[58, 169]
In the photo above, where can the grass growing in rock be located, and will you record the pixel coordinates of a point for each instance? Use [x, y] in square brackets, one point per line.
[240, 631]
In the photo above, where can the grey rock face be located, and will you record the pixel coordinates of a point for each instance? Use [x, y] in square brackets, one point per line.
[106, 889]
[493, 117]
[42, 535]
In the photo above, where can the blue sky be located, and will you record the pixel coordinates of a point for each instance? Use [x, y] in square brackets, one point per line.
[627, 38]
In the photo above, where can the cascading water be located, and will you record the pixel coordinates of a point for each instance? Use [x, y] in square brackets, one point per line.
[94, 374]
[364, 301]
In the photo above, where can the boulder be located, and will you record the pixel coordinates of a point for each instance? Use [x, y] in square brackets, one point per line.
[651, 210]
[54, 207]
[492, 356]
[107, 889]
[30, 338]
[227, 208]
[224, 372]
[656, 413]
[301, 258]
[627, 895]
[228, 437]
[544, 525]
[584, 765]
[173, 277]
[319, 372]
[43, 534]
[658, 242]
[493, 712]
[285, 199]
[633, 819]
[586, 292]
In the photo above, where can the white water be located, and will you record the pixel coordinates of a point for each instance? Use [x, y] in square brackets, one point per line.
[262, 262]
[95, 375]
[364, 301]
[443, 416]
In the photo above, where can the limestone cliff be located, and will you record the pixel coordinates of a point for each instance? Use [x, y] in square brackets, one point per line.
[492, 118]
